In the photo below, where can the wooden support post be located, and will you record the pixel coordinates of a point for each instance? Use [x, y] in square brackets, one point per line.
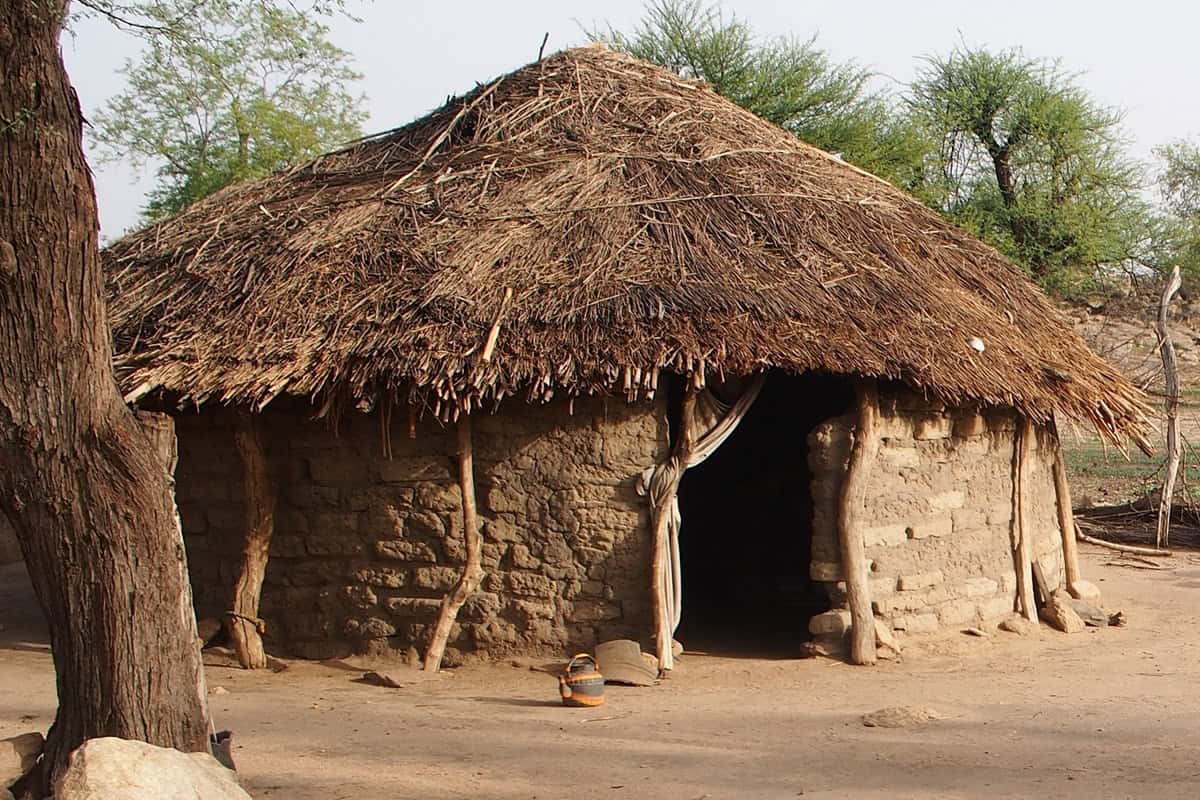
[242, 620]
[660, 586]
[1171, 375]
[850, 533]
[1020, 531]
[472, 574]
[1066, 515]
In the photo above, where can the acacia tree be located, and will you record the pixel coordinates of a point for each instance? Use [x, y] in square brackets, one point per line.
[790, 82]
[91, 505]
[237, 90]
[1179, 185]
[1031, 163]
[80, 481]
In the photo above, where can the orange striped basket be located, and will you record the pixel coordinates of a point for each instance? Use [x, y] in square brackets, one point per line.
[581, 684]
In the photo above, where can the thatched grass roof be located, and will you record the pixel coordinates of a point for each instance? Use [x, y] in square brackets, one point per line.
[603, 222]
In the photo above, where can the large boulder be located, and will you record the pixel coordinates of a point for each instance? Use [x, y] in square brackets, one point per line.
[17, 756]
[103, 769]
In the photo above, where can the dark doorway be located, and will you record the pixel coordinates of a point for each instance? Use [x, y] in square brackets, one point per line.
[746, 538]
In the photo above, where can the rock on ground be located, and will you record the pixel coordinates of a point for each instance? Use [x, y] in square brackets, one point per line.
[1019, 625]
[18, 755]
[108, 768]
[899, 717]
[1058, 613]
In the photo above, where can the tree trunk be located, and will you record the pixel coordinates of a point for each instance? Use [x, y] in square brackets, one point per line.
[242, 621]
[89, 500]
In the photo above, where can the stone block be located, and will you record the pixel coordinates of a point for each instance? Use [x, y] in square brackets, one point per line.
[528, 610]
[941, 526]
[387, 577]
[885, 535]
[530, 584]
[968, 520]
[999, 606]
[318, 545]
[360, 597]
[957, 612]
[897, 604]
[594, 611]
[946, 501]
[835, 622]
[480, 606]
[413, 606]
[980, 587]
[920, 580]
[435, 579]
[933, 427]
[438, 497]
[415, 468]
[402, 550]
[899, 457]
[969, 425]
[334, 523]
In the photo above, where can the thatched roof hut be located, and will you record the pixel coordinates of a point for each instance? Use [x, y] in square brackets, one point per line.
[590, 226]
[602, 221]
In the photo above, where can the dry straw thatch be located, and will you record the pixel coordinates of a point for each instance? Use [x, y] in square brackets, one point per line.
[583, 225]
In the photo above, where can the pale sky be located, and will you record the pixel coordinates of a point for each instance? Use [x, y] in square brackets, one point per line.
[1143, 57]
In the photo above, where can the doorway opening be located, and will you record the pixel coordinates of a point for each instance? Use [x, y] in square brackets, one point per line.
[746, 537]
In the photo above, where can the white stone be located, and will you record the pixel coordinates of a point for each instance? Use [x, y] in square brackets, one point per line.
[108, 768]
[835, 622]
[885, 535]
[18, 754]
[1086, 590]
[934, 527]
[920, 580]
[946, 501]
[980, 587]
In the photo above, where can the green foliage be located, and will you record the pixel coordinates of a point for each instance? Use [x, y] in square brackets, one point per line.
[1179, 184]
[1029, 162]
[235, 90]
[789, 81]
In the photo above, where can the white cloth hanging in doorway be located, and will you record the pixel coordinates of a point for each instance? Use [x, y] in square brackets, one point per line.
[711, 424]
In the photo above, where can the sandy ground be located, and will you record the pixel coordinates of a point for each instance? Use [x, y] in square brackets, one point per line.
[1109, 713]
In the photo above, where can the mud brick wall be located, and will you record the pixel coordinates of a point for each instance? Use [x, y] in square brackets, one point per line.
[938, 515]
[365, 547]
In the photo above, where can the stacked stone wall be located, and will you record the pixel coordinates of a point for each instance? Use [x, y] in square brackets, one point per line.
[365, 547]
[938, 515]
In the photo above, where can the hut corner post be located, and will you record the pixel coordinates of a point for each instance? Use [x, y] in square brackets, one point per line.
[850, 532]
[1020, 530]
[1066, 516]
[1171, 374]
[472, 574]
[242, 620]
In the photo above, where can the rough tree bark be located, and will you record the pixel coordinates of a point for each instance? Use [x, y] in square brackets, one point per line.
[242, 621]
[89, 500]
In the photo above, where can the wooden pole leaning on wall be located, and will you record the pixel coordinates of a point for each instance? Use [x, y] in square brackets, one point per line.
[242, 622]
[660, 587]
[472, 574]
[1066, 515]
[1166, 345]
[1023, 442]
[850, 522]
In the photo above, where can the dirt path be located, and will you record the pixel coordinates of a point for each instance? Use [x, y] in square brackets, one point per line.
[1103, 714]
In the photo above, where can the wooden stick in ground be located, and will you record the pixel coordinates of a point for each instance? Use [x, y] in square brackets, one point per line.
[242, 621]
[473, 571]
[850, 532]
[1020, 530]
[1066, 514]
[1171, 373]
[660, 586]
